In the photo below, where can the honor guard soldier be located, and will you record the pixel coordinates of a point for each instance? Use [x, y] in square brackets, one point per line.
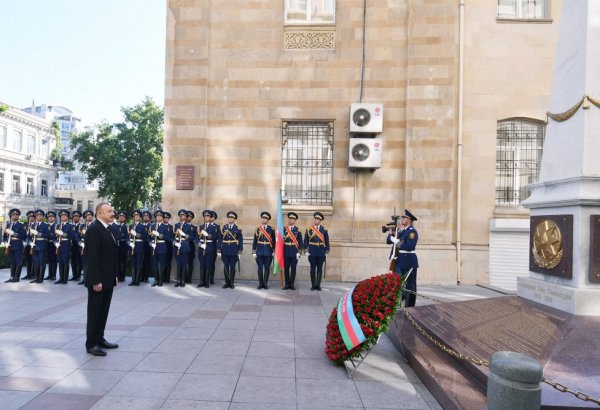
[121, 237]
[192, 243]
[147, 267]
[169, 258]
[88, 218]
[217, 229]
[27, 251]
[13, 237]
[263, 247]
[138, 237]
[292, 241]
[230, 246]
[183, 231]
[316, 244]
[39, 239]
[76, 262]
[51, 248]
[405, 241]
[207, 235]
[159, 234]
[64, 232]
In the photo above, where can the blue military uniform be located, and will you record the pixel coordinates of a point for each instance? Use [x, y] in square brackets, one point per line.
[83, 227]
[407, 260]
[293, 247]
[316, 243]
[63, 245]
[147, 262]
[138, 237]
[231, 244]
[39, 233]
[51, 248]
[159, 248]
[76, 262]
[13, 240]
[182, 247]
[263, 247]
[207, 248]
[27, 250]
[169, 257]
[192, 244]
[121, 235]
[217, 229]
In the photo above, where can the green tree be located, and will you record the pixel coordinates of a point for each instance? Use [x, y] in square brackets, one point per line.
[125, 157]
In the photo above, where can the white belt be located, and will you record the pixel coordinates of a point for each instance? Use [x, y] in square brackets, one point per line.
[139, 240]
[211, 241]
[406, 251]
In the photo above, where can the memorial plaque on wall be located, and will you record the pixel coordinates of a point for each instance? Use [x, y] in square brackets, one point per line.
[551, 245]
[594, 248]
[184, 177]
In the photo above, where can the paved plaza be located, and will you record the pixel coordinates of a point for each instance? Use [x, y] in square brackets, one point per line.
[194, 348]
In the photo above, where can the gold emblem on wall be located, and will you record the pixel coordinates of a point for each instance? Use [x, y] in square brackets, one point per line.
[547, 245]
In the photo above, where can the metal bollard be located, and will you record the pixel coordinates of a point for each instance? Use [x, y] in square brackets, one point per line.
[514, 382]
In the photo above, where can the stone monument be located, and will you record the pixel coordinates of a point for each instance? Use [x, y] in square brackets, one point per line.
[565, 202]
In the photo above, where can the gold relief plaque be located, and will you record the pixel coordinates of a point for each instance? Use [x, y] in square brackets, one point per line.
[551, 245]
[547, 245]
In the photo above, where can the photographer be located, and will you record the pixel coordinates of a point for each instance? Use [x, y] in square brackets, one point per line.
[405, 240]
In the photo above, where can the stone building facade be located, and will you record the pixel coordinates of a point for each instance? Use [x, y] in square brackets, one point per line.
[243, 76]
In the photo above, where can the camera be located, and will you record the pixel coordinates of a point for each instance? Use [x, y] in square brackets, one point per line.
[391, 225]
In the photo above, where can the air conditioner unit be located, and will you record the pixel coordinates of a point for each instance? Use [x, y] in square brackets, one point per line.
[366, 118]
[365, 153]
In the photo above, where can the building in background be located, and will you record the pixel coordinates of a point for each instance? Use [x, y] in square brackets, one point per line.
[27, 172]
[72, 187]
[258, 99]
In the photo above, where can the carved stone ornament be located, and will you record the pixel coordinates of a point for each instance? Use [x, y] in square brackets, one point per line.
[309, 39]
[547, 245]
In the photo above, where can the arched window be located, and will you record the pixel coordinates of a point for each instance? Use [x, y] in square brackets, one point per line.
[519, 145]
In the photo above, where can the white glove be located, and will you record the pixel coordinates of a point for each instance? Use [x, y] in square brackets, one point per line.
[298, 256]
[204, 233]
[9, 231]
[181, 233]
[132, 244]
[218, 254]
[254, 255]
[155, 233]
[133, 232]
[177, 245]
[307, 253]
[394, 239]
[203, 246]
[33, 232]
[58, 231]
[57, 244]
[82, 244]
[153, 245]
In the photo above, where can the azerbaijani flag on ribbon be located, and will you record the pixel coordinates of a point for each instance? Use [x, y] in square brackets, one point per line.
[279, 259]
[351, 332]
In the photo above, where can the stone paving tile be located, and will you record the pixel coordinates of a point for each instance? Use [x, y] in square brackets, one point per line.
[138, 344]
[233, 347]
[205, 387]
[287, 325]
[243, 315]
[174, 345]
[265, 390]
[427, 396]
[165, 363]
[271, 349]
[320, 368]
[269, 367]
[273, 336]
[195, 404]
[166, 321]
[210, 314]
[25, 383]
[52, 373]
[197, 333]
[232, 334]
[246, 308]
[62, 401]
[50, 340]
[129, 403]
[155, 332]
[390, 395]
[62, 358]
[15, 355]
[115, 360]
[211, 324]
[146, 385]
[213, 364]
[12, 400]
[91, 382]
[261, 406]
[320, 392]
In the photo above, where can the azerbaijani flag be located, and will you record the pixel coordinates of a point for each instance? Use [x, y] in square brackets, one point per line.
[279, 259]
[350, 330]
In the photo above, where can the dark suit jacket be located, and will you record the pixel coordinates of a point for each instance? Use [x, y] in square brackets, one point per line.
[101, 250]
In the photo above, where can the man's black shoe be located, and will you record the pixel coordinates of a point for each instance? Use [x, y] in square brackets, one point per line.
[200, 285]
[81, 282]
[232, 286]
[265, 287]
[33, 281]
[225, 286]
[182, 284]
[73, 278]
[292, 288]
[9, 280]
[154, 284]
[318, 288]
[96, 351]
[177, 284]
[107, 345]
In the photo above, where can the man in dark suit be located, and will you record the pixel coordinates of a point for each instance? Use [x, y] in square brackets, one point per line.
[102, 250]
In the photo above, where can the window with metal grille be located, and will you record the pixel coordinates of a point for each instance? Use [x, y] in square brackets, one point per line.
[307, 162]
[523, 9]
[519, 146]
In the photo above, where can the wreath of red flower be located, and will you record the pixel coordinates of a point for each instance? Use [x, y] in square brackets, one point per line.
[374, 302]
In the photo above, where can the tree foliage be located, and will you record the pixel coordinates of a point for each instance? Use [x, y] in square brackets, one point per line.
[125, 157]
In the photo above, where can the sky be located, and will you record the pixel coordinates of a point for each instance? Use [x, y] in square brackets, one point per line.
[90, 56]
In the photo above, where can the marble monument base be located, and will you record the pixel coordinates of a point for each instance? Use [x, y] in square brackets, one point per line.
[566, 345]
[576, 301]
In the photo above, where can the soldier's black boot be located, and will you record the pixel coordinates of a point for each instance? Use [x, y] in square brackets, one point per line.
[34, 272]
[156, 278]
[312, 280]
[211, 274]
[286, 278]
[59, 280]
[18, 269]
[178, 280]
[292, 280]
[226, 275]
[201, 283]
[319, 275]
[183, 276]
[232, 278]
[12, 274]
